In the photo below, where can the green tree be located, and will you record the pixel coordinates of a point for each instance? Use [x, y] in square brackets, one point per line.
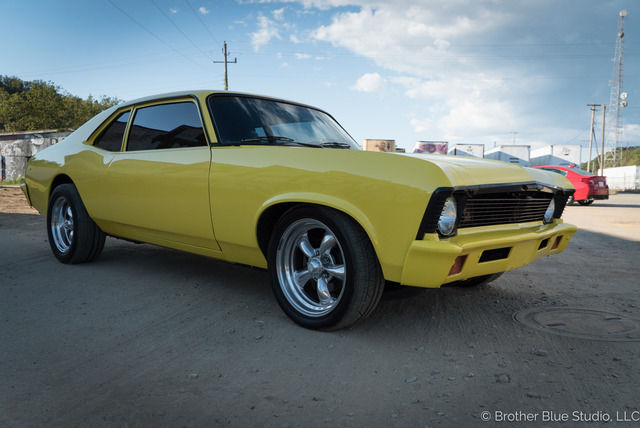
[625, 156]
[30, 106]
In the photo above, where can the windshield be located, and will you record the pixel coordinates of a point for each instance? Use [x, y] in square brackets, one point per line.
[247, 120]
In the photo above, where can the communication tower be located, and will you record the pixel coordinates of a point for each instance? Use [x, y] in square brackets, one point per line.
[617, 98]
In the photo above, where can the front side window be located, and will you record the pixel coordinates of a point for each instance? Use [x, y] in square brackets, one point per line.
[166, 126]
[111, 138]
[248, 120]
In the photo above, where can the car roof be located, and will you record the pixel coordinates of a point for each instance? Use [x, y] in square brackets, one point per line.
[206, 92]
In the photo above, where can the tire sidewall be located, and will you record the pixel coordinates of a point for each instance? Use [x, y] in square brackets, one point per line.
[63, 191]
[325, 216]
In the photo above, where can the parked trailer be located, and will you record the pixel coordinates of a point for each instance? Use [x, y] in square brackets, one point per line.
[623, 177]
[476, 150]
[377, 145]
[519, 154]
[432, 147]
[558, 154]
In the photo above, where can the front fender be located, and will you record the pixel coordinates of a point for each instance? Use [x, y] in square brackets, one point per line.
[330, 201]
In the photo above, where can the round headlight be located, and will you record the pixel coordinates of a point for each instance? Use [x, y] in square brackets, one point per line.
[447, 220]
[548, 214]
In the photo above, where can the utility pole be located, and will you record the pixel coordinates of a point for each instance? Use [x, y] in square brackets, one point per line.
[604, 110]
[226, 61]
[593, 112]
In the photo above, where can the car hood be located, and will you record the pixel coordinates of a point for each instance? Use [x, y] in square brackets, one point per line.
[469, 171]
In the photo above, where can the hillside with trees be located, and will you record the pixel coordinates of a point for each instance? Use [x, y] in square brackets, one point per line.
[36, 105]
[626, 156]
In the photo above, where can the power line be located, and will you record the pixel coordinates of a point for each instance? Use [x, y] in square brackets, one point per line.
[179, 29]
[154, 35]
[201, 21]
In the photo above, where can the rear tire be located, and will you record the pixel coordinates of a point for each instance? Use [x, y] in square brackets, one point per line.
[586, 202]
[324, 270]
[73, 236]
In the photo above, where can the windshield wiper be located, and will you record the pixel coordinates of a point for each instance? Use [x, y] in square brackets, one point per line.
[335, 145]
[277, 139]
[267, 138]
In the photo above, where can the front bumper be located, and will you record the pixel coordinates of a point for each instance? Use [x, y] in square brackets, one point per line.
[599, 196]
[429, 261]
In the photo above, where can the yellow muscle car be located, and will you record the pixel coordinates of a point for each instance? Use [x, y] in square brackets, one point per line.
[281, 185]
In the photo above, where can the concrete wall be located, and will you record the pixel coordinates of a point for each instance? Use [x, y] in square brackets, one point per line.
[16, 149]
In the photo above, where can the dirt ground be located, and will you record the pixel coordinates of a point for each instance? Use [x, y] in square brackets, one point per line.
[147, 336]
[12, 201]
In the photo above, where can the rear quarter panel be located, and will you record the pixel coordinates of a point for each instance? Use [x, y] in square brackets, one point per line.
[58, 159]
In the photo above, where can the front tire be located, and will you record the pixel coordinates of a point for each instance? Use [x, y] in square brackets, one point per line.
[324, 270]
[73, 236]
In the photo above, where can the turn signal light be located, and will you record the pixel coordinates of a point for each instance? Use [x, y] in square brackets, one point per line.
[457, 265]
[556, 243]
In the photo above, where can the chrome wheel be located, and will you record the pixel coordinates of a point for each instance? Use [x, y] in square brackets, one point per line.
[62, 224]
[311, 267]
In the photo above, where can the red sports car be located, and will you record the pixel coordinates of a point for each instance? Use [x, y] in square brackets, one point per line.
[589, 187]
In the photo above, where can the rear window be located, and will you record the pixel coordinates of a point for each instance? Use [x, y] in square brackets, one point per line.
[111, 138]
[557, 171]
[166, 126]
[581, 172]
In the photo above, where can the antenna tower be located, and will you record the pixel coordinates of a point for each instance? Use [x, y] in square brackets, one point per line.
[617, 98]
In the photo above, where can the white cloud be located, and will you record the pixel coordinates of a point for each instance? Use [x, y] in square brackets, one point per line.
[369, 82]
[407, 37]
[302, 56]
[631, 133]
[294, 39]
[267, 30]
[173, 10]
[278, 14]
[457, 94]
[203, 10]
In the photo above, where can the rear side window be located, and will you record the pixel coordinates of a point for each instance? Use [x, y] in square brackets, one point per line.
[166, 126]
[111, 138]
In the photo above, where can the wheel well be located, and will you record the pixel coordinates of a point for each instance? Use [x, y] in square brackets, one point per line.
[60, 179]
[267, 222]
[270, 217]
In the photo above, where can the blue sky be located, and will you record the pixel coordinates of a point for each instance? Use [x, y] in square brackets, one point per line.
[463, 71]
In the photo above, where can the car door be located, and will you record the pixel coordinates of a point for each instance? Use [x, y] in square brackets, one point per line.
[158, 184]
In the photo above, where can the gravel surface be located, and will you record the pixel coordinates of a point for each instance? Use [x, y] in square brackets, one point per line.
[147, 336]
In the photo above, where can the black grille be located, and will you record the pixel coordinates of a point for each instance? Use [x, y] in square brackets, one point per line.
[494, 204]
[504, 208]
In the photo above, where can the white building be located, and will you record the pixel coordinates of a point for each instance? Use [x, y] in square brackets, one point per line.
[519, 154]
[558, 154]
